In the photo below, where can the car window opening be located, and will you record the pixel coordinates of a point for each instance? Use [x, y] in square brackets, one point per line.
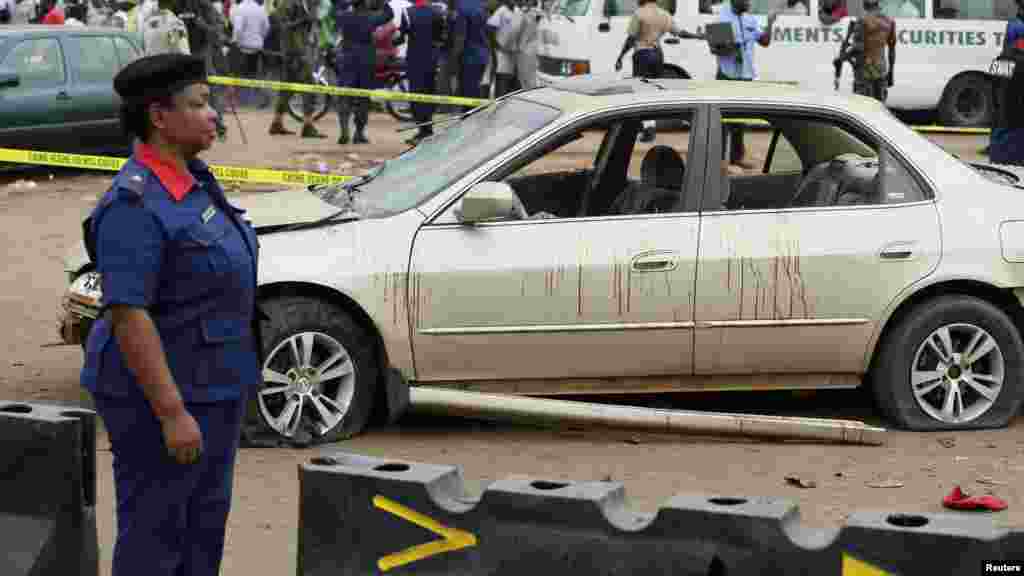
[810, 163]
[617, 167]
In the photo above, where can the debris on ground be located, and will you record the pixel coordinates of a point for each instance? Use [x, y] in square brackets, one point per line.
[960, 500]
[885, 483]
[800, 482]
[947, 442]
[959, 458]
[20, 186]
[989, 481]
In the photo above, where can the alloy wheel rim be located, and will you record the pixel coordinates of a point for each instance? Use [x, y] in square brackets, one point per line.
[957, 373]
[311, 376]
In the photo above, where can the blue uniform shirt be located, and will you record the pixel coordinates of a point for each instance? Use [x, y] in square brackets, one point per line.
[470, 20]
[1014, 37]
[171, 243]
[747, 32]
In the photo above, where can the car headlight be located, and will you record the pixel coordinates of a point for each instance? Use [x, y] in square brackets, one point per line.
[84, 294]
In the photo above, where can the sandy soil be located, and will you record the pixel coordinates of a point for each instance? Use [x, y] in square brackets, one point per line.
[41, 224]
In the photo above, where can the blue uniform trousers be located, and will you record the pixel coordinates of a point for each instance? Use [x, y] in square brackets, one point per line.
[356, 69]
[474, 63]
[648, 63]
[170, 517]
[1007, 146]
[421, 72]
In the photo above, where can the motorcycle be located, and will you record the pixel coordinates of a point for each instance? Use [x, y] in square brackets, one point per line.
[389, 74]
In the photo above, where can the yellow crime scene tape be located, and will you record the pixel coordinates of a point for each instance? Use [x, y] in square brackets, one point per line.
[460, 101]
[338, 91]
[225, 173]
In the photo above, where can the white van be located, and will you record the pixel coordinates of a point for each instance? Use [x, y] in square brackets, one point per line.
[941, 55]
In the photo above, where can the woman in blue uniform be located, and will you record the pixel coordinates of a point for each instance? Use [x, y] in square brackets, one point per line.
[356, 61]
[173, 356]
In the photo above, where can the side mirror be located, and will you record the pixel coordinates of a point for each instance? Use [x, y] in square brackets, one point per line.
[9, 79]
[490, 201]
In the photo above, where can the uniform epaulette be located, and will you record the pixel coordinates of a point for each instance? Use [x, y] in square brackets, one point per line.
[130, 185]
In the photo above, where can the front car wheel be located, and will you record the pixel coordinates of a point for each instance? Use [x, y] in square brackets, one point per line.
[319, 373]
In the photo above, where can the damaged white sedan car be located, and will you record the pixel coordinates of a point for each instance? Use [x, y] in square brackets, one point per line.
[536, 246]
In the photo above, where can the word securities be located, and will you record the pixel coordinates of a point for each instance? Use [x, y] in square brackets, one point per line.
[835, 35]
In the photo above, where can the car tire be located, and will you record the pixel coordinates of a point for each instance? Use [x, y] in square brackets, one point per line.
[907, 354]
[967, 101]
[332, 332]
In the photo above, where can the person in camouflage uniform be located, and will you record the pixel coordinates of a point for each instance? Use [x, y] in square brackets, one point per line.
[298, 19]
[865, 47]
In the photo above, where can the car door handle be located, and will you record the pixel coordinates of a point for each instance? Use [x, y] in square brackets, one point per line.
[63, 96]
[672, 40]
[897, 251]
[655, 262]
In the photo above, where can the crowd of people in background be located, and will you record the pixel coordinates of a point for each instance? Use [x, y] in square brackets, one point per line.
[453, 47]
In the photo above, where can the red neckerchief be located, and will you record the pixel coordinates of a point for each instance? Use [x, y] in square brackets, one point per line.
[178, 182]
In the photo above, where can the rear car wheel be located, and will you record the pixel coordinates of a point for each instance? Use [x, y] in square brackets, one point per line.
[319, 371]
[953, 363]
[967, 101]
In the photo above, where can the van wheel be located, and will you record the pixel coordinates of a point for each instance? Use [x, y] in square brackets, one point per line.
[319, 371]
[953, 363]
[967, 101]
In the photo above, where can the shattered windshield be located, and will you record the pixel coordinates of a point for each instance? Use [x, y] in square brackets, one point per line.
[422, 172]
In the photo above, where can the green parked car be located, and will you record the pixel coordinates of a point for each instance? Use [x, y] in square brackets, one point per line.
[56, 88]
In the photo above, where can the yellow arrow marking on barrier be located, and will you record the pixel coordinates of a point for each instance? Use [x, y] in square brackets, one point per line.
[451, 538]
[854, 567]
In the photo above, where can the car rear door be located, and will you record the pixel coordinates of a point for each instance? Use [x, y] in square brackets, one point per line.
[33, 115]
[794, 281]
[94, 114]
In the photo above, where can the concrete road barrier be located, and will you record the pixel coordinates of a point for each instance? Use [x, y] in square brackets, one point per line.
[362, 515]
[47, 490]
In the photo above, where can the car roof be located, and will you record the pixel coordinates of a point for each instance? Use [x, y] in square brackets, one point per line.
[580, 94]
[8, 30]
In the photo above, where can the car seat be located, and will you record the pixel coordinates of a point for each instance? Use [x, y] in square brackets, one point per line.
[662, 172]
[821, 186]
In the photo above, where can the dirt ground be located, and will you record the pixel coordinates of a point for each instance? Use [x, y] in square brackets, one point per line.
[41, 224]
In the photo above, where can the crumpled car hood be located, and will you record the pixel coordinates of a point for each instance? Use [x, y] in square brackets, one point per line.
[278, 208]
[288, 206]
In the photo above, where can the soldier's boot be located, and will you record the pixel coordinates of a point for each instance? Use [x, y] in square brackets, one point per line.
[344, 113]
[360, 137]
[361, 119]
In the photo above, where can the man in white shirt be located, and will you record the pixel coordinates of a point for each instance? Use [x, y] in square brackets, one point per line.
[501, 24]
[250, 26]
[164, 32]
